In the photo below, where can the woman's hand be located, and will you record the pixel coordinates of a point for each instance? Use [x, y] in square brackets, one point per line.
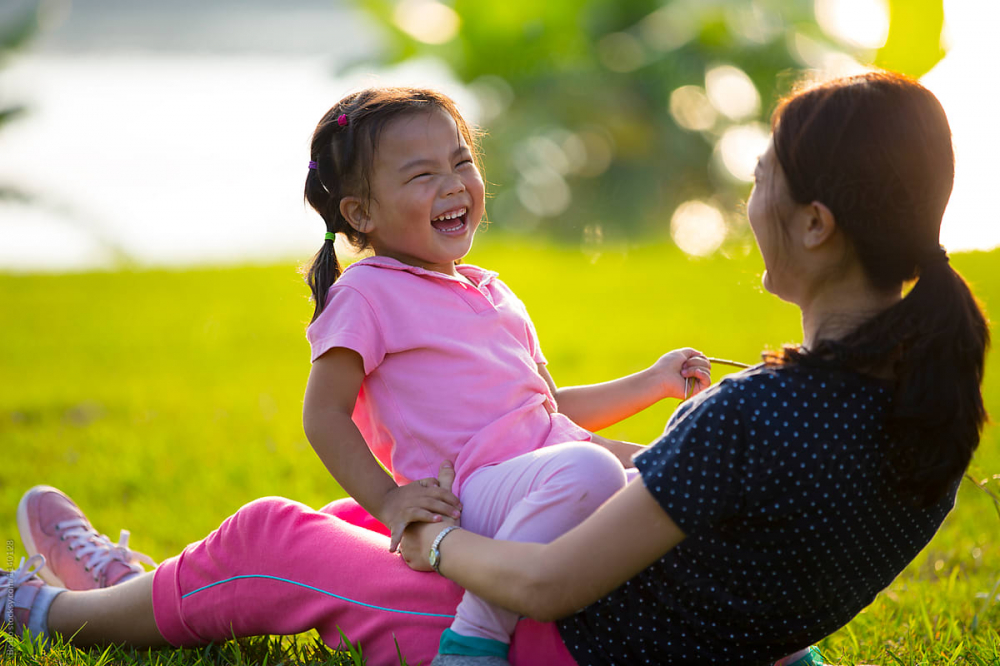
[420, 502]
[673, 369]
[415, 546]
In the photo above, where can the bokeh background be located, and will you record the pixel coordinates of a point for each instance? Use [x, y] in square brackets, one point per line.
[165, 132]
[152, 158]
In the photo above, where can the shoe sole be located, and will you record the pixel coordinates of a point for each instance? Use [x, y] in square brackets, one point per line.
[24, 527]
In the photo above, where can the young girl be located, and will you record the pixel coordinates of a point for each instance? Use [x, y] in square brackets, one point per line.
[418, 359]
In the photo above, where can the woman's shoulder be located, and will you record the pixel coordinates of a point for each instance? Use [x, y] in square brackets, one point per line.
[791, 379]
[783, 387]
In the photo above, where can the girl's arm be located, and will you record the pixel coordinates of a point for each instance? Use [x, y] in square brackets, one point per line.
[549, 581]
[334, 382]
[598, 406]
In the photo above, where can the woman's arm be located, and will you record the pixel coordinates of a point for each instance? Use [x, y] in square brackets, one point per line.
[597, 406]
[332, 390]
[548, 581]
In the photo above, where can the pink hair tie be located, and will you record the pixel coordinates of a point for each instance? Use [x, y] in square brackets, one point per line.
[342, 120]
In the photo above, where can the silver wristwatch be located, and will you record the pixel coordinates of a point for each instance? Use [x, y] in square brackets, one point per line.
[435, 556]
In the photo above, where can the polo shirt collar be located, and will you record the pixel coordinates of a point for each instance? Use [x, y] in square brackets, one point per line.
[480, 276]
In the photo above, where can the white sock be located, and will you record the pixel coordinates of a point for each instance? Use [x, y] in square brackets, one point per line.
[38, 618]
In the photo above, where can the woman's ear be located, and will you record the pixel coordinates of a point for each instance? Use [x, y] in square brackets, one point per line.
[820, 225]
[356, 214]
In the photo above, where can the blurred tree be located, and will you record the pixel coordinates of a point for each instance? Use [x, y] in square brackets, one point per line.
[18, 22]
[605, 116]
[914, 42]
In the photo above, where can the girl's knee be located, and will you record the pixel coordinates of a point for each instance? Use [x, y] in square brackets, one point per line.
[590, 472]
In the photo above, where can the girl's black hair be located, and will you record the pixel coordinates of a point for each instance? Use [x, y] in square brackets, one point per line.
[876, 150]
[343, 150]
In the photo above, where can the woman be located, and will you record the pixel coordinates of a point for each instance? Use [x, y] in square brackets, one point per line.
[774, 508]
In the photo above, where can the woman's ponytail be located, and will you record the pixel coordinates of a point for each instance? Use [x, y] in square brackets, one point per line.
[937, 413]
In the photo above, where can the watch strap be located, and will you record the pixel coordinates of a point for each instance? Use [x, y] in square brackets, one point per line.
[435, 554]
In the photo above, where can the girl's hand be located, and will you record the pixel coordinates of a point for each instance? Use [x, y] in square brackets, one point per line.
[673, 369]
[415, 546]
[420, 501]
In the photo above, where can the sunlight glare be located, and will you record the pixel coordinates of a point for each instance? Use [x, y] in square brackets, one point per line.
[428, 21]
[621, 52]
[732, 92]
[544, 192]
[739, 148]
[691, 109]
[670, 27]
[698, 228]
[861, 23]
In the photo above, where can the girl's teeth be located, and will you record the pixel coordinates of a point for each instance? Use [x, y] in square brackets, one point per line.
[449, 216]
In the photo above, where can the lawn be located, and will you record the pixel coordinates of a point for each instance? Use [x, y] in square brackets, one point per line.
[164, 400]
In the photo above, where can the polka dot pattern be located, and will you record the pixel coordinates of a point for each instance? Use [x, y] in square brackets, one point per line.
[775, 477]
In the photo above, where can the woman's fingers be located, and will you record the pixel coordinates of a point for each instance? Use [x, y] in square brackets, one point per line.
[432, 488]
[414, 515]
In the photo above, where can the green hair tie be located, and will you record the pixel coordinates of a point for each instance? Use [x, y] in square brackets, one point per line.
[330, 236]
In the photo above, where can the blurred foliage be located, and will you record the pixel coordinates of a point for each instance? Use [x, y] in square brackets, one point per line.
[18, 23]
[914, 43]
[577, 94]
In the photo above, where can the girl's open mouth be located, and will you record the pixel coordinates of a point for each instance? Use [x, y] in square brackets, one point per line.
[453, 221]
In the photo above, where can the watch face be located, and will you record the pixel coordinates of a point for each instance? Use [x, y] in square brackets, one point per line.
[433, 558]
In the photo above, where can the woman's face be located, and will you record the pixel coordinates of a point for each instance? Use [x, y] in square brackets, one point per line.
[767, 209]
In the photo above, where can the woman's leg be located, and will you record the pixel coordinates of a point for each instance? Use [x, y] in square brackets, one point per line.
[118, 614]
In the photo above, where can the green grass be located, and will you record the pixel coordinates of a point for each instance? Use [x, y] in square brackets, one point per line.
[162, 401]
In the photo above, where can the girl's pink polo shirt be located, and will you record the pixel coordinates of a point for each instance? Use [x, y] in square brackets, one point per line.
[451, 369]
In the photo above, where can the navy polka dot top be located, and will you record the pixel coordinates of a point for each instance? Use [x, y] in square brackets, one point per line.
[774, 476]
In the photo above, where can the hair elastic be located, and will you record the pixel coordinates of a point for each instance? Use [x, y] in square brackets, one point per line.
[330, 235]
[312, 165]
[342, 120]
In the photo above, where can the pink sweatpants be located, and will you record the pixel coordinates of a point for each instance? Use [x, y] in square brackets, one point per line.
[534, 497]
[278, 567]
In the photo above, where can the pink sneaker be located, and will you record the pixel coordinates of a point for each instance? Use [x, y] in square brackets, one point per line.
[18, 591]
[76, 556]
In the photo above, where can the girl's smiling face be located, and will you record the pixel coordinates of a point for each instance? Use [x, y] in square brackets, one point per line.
[427, 196]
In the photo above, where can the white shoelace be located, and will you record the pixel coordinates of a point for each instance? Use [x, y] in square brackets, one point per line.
[84, 540]
[18, 577]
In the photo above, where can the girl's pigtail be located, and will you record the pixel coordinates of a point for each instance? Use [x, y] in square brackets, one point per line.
[324, 269]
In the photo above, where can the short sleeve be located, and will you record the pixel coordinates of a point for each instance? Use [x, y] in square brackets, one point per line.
[349, 321]
[694, 471]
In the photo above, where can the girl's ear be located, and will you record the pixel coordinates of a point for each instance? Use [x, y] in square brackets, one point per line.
[354, 211]
[820, 225]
